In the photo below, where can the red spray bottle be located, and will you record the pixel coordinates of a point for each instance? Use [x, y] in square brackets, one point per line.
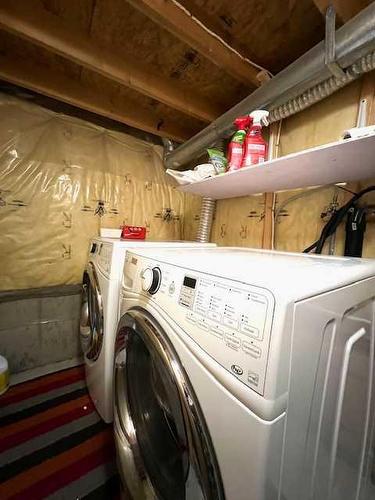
[256, 148]
[236, 145]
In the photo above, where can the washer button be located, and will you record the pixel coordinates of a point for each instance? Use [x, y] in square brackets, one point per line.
[200, 310]
[232, 341]
[230, 322]
[253, 350]
[190, 318]
[217, 330]
[254, 332]
[202, 324]
[214, 315]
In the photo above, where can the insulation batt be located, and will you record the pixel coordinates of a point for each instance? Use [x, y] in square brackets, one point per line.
[61, 179]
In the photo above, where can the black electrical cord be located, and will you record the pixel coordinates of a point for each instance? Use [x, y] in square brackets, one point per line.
[355, 229]
[335, 220]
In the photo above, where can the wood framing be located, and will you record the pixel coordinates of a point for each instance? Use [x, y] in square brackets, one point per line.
[345, 9]
[269, 198]
[33, 23]
[368, 94]
[177, 20]
[268, 221]
[73, 92]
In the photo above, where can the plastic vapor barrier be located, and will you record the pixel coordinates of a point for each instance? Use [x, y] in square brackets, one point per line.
[61, 179]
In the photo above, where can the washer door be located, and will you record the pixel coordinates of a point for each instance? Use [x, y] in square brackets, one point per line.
[91, 323]
[164, 448]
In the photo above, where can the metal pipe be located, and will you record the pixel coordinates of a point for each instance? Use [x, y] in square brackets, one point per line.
[205, 220]
[353, 40]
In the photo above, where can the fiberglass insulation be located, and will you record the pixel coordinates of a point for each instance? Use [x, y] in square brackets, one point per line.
[61, 179]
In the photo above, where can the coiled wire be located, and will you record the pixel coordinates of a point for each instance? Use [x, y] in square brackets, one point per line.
[205, 221]
[324, 89]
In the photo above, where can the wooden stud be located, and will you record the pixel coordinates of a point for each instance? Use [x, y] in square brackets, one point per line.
[63, 88]
[173, 17]
[345, 9]
[269, 198]
[268, 221]
[368, 93]
[33, 23]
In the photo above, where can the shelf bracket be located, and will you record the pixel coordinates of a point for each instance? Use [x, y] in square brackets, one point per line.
[330, 44]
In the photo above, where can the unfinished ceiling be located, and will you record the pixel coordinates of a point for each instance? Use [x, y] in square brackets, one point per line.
[157, 65]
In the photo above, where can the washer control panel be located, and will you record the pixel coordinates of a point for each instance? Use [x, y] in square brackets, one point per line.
[238, 316]
[238, 309]
[230, 320]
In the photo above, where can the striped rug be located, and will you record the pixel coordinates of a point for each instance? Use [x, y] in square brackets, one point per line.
[53, 444]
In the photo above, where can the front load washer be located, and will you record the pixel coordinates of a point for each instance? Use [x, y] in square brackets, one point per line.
[99, 312]
[245, 375]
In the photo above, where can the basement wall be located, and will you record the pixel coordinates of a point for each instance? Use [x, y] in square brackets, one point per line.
[61, 179]
[240, 221]
[54, 170]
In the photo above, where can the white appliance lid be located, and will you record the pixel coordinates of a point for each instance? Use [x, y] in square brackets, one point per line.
[286, 274]
[118, 243]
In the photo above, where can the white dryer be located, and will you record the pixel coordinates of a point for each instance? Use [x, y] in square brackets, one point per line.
[99, 312]
[245, 375]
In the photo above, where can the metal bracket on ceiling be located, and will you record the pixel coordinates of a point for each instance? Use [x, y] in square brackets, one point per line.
[168, 145]
[330, 44]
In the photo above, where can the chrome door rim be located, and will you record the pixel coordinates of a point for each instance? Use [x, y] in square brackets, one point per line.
[201, 451]
[91, 334]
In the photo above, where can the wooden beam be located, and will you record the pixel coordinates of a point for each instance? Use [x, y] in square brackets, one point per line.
[39, 79]
[179, 21]
[345, 9]
[33, 23]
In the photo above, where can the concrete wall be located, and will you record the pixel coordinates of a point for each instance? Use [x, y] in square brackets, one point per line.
[39, 329]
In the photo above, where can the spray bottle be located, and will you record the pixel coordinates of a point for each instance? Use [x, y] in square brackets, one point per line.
[256, 148]
[236, 145]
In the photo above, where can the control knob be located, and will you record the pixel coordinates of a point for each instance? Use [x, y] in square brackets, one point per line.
[151, 279]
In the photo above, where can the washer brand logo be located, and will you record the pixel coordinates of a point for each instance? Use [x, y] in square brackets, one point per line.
[236, 369]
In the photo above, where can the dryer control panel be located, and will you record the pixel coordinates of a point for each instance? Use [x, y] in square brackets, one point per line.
[230, 320]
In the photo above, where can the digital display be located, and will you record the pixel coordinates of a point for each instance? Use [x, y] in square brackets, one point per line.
[190, 282]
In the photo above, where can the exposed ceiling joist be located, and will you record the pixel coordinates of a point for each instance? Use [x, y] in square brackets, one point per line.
[33, 23]
[58, 86]
[345, 9]
[178, 21]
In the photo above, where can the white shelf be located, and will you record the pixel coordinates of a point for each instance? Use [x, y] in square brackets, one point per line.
[342, 161]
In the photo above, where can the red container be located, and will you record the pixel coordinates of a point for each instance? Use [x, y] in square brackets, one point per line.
[133, 233]
[236, 145]
[256, 148]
